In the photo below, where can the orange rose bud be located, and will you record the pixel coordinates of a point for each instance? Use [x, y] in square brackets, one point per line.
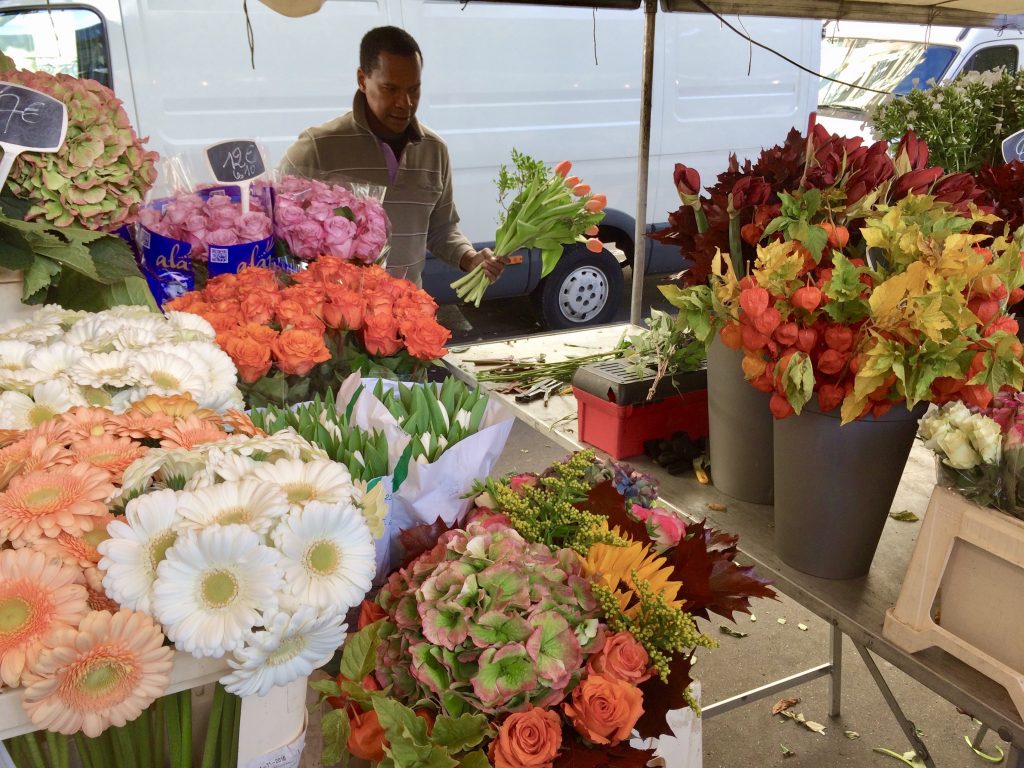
[297, 351]
[251, 358]
[594, 245]
[563, 168]
[581, 189]
[592, 231]
[572, 181]
[528, 739]
[604, 710]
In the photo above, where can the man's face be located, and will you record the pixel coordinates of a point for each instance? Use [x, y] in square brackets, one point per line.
[392, 91]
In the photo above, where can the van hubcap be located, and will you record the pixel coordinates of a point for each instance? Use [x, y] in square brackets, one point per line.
[583, 294]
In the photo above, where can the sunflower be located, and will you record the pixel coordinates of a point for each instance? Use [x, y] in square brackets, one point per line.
[104, 673]
[620, 568]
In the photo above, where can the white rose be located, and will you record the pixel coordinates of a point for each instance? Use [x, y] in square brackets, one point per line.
[956, 446]
[986, 437]
[957, 414]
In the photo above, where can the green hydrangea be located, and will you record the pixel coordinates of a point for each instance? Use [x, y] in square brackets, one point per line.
[101, 174]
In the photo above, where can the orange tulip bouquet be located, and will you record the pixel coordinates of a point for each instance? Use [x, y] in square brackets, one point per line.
[555, 624]
[295, 335]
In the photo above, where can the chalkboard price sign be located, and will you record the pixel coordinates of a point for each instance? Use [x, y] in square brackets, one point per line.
[30, 121]
[235, 161]
[1013, 147]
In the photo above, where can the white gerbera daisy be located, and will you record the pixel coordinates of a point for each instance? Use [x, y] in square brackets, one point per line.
[132, 312]
[163, 373]
[327, 555]
[222, 466]
[142, 337]
[121, 400]
[252, 503]
[21, 380]
[56, 358]
[214, 367]
[212, 587]
[92, 333]
[304, 482]
[30, 331]
[49, 398]
[137, 545]
[104, 369]
[290, 647]
[15, 355]
[190, 327]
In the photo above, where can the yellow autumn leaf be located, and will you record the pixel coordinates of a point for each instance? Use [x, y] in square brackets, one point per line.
[931, 318]
[852, 408]
[874, 237]
[887, 296]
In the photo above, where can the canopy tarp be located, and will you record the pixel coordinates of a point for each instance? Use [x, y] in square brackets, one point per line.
[973, 13]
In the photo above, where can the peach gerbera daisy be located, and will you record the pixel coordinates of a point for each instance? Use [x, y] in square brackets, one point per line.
[78, 550]
[37, 598]
[97, 598]
[139, 426]
[46, 502]
[240, 422]
[55, 431]
[86, 421]
[31, 454]
[111, 454]
[190, 432]
[175, 406]
[104, 673]
[8, 436]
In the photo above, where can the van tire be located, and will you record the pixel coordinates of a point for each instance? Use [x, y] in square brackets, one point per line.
[583, 289]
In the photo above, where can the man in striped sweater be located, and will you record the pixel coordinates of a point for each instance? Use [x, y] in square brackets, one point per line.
[381, 142]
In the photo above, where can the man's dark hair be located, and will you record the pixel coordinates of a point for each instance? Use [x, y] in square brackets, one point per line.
[391, 40]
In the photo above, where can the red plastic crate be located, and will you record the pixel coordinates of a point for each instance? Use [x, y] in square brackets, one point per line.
[621, 430]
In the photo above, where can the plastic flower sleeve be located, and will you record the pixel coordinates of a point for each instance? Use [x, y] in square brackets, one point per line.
[188, 230]
[318, 214]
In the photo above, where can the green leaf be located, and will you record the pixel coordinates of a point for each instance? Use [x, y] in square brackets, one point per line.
[15, 251]
[460, 734]
[111, 256]
[798, 380]
[130, 290]
[38, 279]
[73, 256]
[731, 632]
[325, 687]
[904, 516]
[336, 728]
[345, 212]
[406, 732]
[359, 656]
[475, 759]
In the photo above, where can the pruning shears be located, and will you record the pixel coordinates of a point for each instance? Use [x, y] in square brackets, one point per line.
[543, 388]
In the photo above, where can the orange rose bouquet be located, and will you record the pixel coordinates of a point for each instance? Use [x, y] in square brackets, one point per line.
[547, 626]
[295, 335]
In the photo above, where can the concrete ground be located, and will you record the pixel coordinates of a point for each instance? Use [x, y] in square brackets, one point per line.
[751, 737]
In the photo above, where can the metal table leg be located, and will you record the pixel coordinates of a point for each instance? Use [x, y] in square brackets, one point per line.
[906, 725]
[835, 683]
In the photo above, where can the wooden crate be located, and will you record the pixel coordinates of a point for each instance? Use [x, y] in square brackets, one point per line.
[972, 558]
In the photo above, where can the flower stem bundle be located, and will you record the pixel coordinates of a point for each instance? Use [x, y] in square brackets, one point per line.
[550, 210]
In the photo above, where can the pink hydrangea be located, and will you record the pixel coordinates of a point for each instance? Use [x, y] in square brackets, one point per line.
[306, 218]
[217, 220]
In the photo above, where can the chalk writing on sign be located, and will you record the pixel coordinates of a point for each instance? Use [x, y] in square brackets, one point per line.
[1013, 147]
[30, 119]
[233, 161]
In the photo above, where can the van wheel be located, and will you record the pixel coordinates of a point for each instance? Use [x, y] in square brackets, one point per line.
[583, 289]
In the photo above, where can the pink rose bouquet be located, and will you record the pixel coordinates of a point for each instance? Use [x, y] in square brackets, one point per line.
[210, 219]
[315, 218]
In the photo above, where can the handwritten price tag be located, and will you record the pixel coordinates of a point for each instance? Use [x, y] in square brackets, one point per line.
[235, 161]
[1013, 147]
[30, 121]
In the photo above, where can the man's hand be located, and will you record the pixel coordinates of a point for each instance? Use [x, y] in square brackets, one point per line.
[489, 264]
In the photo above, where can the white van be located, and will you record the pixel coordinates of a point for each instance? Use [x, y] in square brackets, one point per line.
[556, 83]
[899, 57]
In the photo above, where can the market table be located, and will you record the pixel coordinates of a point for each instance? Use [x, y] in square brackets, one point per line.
[854, 608]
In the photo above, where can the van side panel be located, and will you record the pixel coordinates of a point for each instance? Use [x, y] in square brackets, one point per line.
[194, 84]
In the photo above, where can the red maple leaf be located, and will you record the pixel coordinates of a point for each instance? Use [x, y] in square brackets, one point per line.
[704, 561]
[421, 538]
[660, 698]
[604, 499]
[576, 754]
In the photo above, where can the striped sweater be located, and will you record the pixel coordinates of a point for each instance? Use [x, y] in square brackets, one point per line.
[418, 203]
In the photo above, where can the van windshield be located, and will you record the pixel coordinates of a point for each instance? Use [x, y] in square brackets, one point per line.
[892, 66]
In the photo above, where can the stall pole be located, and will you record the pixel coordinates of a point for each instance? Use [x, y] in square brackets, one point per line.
[644, 153]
